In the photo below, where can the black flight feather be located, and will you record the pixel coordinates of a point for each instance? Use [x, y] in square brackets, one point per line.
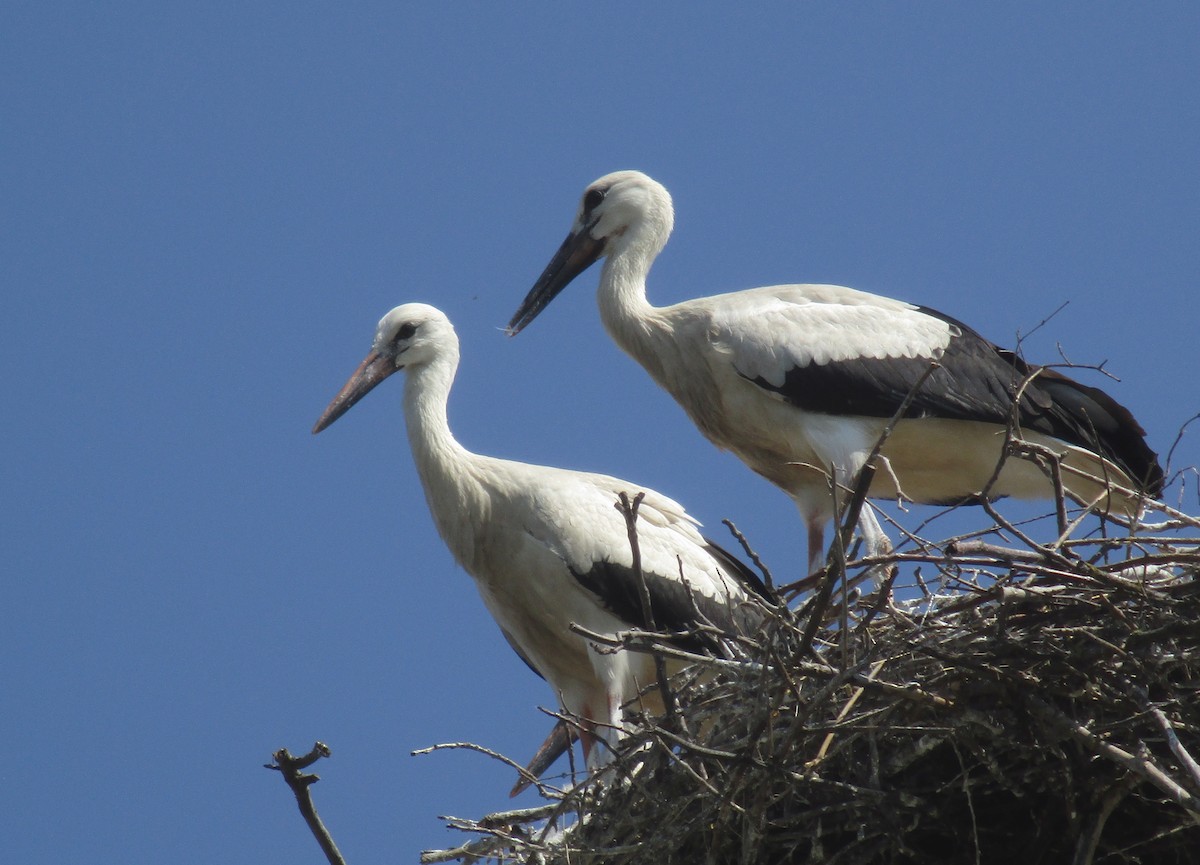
[673, 605]
[977, 380]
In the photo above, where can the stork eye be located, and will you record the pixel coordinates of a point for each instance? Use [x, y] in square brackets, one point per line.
[593, 197]
[406, 331]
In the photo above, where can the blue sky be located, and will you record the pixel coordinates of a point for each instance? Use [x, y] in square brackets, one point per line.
[207, 207]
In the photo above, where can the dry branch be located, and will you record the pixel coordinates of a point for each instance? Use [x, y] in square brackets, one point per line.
[300, 783]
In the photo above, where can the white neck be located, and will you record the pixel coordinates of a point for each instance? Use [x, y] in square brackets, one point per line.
[449, 472]
[628, 316]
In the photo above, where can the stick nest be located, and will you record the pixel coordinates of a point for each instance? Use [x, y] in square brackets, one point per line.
[1022, 703]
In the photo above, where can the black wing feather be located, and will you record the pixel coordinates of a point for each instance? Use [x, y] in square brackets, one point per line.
[673, 605]
[977, 380]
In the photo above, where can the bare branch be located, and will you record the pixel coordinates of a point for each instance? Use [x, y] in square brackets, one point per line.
[1137, 764]
[758, 563]
[629, 510]
[291, 768]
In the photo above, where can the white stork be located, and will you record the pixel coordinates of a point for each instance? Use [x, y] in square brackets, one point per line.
[548, 547]
[799, 380]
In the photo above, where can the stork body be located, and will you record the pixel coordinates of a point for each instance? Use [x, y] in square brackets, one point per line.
[548, 547]
[800, 381]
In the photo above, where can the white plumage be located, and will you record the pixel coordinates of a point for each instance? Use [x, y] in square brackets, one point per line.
[799, 381]
[764, 332]
[546, 546]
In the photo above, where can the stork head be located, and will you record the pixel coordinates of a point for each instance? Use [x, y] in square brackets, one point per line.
[410, 336]
[625, 210]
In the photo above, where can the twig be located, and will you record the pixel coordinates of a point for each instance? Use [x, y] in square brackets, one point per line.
[768, 581]
[543, 789]
[835, 563]
[630, 511]
[651, 642]
[1181, 753]
[1134, 763]
[1047, 553]
[1085, 850]
[815, 609]
[1051, 464]
[1178, 438]
[1020, 338]
[476, 848]
[966, 788]
[845, 710]
[291, 769]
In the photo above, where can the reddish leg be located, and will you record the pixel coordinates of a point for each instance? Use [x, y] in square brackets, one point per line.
[587, 738]
[816, 545]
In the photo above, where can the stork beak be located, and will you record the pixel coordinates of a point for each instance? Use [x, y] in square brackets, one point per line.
[555, 746]
[577, 253]
[374, 369]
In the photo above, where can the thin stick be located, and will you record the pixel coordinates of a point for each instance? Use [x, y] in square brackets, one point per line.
[768, 580]
[858, 692]
[1181, 753]
[299, 782]
[525, 774]
[1138, 765]
[1085, 850]
[629, 509]
[816, 607]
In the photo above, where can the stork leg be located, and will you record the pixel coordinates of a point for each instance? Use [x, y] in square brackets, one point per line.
[587, 739]
[609, 736]
[876, 542]
[816, 543]
[592, 734]
[587, 735]
[875, 539]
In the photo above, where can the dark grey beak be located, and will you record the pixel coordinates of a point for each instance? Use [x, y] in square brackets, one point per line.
[555, 746]
[374, 369]
[577, 253]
